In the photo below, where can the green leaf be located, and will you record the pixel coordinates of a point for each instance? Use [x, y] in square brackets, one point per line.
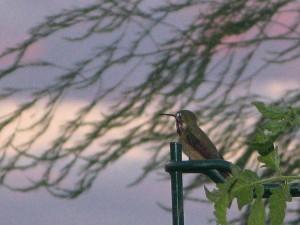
[211, 195]
[259, 190]
[262, 141]
[221, 209]
[278, 204]
[288, 196]
[273, 128]
[243, 188]
[270, 111]
[244, 196]
[261, 136]
[221, 199]
[257, 213]
[263, 149]
[293, 116]
[296, 121]
[296, 117]
[271, 160]
[241, 185]
[235, 170]
[277, 120]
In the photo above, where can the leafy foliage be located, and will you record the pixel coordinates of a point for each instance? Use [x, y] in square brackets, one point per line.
[271, 160]
[243, 190]
[277, 204]
[257, 215]
[221, 209]
[246, 186]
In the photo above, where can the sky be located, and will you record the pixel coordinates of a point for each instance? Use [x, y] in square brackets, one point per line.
[109, 201]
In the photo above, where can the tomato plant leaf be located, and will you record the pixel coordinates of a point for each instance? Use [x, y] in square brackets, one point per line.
[277, 204]
[257, 213]
[221, 209]
[243, 188]
[270, 111]
[271, 160]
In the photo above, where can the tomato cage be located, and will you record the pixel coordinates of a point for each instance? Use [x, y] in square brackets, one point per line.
[176, 167]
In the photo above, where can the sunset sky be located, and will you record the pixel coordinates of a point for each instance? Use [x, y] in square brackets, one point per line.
[110, 201]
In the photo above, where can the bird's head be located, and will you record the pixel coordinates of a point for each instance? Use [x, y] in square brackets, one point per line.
[184, 118]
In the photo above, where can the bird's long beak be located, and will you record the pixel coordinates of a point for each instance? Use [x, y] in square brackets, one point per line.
[167, 114]
[178, 122]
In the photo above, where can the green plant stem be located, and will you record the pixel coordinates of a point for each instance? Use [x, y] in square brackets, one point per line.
[269, 180]
[279, 178]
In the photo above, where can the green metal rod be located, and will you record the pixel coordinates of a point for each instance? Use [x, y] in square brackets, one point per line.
[198, 166]
[207, 167]
[294, 189]
[176, 185]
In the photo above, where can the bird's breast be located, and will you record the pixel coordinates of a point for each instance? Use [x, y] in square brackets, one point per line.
[189, 150]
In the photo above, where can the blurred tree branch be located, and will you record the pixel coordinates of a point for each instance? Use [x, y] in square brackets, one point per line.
[207, 64]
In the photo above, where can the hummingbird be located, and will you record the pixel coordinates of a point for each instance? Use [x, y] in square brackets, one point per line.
[196, 144]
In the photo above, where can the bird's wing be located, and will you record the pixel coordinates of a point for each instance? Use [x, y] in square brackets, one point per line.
[206, 148]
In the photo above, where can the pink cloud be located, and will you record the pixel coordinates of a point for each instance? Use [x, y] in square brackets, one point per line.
[283, 20]
[33, 52]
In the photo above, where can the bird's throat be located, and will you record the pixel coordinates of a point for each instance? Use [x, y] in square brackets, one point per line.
[179, 127]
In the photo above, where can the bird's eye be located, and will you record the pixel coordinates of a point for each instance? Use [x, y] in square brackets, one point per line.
[178, 116]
